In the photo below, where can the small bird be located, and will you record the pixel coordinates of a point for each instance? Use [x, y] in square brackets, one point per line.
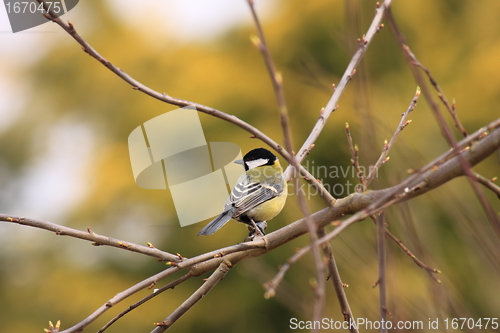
[258, 196]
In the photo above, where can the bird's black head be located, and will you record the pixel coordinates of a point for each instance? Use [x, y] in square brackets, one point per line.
[258, 157]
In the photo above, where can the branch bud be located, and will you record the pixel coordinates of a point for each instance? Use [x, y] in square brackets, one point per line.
[406, 123]
[256, 41]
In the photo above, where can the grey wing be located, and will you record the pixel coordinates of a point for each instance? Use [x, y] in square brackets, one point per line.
[246, 195]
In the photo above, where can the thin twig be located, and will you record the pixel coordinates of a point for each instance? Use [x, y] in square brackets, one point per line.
[483, 145]
[446, 165]
[89, 235]
[176, 267]
[273, 284]
[355, 159]
[157, 292]
[334, 275]
[276, 78]
[422, 176]
[488, 183]
[136, 85]
[188, 103]
[450, 107]
[382, 276]
[331, 106]
[445, 129]
[417, 261]
[209, 284]
[319, 285]
[277, 81]
[387, 145]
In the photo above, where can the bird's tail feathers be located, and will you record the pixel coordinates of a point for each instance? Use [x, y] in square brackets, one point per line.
[216, 223]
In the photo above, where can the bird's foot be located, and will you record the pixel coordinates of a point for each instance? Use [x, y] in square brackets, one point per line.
[257, 230]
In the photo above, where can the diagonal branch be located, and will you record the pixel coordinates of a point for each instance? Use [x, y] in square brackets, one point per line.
[355, 159]
[277, 81]
[176, 267]
[387, 145]
[382, 276]
[434, 174]
[417, 261]
[209, 284]
[488, 183]
[171, 285]
[441, 170]
[276, 78]
[450, 107]
[331, 106]
[445, 129]
[136, 85]
[337, 284]
[91, 236]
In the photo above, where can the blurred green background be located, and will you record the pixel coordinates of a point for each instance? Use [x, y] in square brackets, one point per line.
[65, 120]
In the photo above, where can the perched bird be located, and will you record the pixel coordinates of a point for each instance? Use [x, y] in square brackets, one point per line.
[258, 196]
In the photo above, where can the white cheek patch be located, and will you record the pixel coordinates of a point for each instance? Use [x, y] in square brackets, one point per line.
[256, 163]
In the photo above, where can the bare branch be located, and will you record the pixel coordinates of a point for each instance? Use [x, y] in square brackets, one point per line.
[450, 107]
[273, 284]
[363, 205]
[382, 277]
[319, 285]
[337, 284]
[331, 106]
[434, 174]
[445, 129]
[488, 183]
[276, 78]
[277, 81]
[53, 328]
[136, 85]
[387, 145]
[417, 261]
[355, 159]
[151, 281]
[209, 284]
[446, 167]
[157, 292]
[91, 236]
